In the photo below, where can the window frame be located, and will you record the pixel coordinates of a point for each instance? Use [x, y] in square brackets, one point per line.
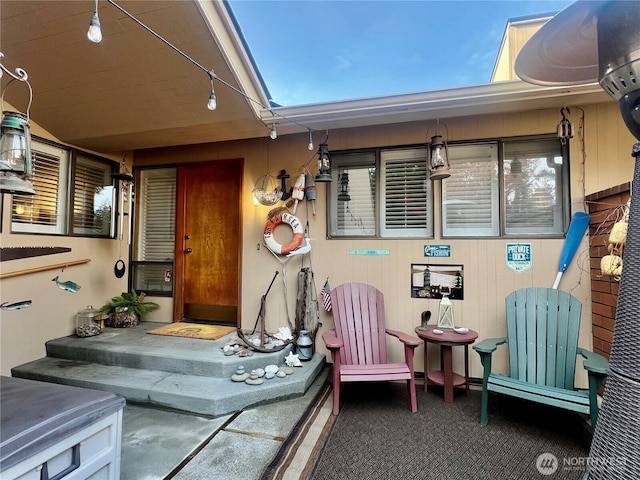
[563, 185]
[64, 193]
[379, 203]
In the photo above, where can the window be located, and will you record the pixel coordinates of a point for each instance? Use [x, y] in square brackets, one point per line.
[498, 188]
[533, 197]
[93, 197]
[405, 200]
[152, 264]
[80, 206]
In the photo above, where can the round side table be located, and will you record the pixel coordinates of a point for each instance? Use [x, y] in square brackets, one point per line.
[445, 376]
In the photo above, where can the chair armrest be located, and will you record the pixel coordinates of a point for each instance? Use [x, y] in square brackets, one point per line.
[489, 345]
[408, 340]
[594, 362]
[331, 340]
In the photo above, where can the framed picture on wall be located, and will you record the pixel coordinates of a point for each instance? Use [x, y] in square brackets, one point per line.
[432, 281]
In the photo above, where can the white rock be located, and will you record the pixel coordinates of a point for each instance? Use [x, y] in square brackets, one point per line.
[284, 334]
[281, 374]
[271, 368]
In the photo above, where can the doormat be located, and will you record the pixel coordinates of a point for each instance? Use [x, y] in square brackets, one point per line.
[192, 330]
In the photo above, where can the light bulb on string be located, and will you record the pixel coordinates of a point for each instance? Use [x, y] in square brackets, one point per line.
[95, 32]
[274, 132]
[213, 102]
[310, 146]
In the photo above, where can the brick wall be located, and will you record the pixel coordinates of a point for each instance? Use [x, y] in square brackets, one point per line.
[604, 208]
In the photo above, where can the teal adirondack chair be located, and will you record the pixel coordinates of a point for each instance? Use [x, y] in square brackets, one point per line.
[542, 337]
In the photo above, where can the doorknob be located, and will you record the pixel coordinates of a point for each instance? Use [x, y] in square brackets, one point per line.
[188, 250]
[187, 237]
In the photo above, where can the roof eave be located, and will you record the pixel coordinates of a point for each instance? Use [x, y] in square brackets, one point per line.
[493, 98]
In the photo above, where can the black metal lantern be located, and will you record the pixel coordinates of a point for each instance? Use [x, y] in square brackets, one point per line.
[324, 164]
[344, 196]
[438, 158]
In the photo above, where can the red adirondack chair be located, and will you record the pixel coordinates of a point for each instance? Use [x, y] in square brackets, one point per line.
[358, 343]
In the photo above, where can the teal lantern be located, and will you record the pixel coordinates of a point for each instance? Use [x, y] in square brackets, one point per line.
[15, 154]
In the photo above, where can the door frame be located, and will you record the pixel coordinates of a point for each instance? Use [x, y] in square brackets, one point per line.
[180, 246]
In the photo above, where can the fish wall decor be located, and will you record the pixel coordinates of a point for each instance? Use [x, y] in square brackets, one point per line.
[16, 305]
[68, 286]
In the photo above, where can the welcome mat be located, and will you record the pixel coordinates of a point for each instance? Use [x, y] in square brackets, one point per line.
[193, 330]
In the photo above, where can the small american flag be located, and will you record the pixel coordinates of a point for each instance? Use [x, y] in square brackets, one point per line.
[326, 296]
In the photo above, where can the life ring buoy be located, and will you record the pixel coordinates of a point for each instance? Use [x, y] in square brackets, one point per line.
[298, 233]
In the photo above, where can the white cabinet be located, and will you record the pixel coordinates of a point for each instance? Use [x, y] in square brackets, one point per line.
[55, 432]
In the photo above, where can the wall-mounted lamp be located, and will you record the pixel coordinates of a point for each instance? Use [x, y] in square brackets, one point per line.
[324, 164]
[344, 196]
[565, 127]
[16, 165]
[95, 32]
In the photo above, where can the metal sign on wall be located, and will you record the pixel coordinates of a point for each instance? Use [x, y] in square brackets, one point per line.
[519, 256]
[437, 250]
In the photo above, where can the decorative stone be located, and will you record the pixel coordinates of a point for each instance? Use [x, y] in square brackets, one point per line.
[254, 379]
[292, 360]
[228, 350]
[269, 375]
[259, 372]
[240, 375]
[281, 374]
[271, 368]
[287, 370]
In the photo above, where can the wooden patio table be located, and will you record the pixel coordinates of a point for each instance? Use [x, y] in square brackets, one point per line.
[445, 376]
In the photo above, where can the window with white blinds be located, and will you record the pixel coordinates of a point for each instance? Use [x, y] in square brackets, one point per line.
[357, 216]
[388, 194]
[157, 212]
[533, 187]
[80, 206]
[470, 196]
[92, 197]
[46, 211]
[405, 194]
[154, 246]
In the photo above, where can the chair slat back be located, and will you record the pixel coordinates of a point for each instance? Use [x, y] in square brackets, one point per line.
[358, 314]
[542, 331]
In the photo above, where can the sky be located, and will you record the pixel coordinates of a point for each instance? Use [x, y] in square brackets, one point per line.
[313, 51]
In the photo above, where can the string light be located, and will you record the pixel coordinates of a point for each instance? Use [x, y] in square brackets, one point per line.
[95, 32]
[212, 102]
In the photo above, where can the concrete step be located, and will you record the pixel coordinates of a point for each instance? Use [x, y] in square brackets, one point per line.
[171, 372]
[133, 347]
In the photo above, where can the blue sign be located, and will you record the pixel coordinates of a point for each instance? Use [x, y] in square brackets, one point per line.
[369, 252]
[437, 250]
[519, 256]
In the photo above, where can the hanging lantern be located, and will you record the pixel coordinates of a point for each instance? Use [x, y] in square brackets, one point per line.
[438, 159]
[15, 154]
[324, 164]
[445, 312]
[344, 196]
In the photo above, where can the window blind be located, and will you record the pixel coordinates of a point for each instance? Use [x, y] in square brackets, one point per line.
[156, 237]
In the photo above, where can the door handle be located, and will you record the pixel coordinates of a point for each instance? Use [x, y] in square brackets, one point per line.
[188, 250]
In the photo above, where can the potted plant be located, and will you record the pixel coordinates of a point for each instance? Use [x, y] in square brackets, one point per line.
[126, 309]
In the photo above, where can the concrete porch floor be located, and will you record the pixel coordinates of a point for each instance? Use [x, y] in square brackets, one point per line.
[162, 444]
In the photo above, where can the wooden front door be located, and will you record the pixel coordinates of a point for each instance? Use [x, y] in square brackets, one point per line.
[209, 242]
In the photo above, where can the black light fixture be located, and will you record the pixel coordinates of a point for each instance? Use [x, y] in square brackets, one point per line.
[324, 164]
[600, 41]
[565, 127]
[438, 155]
[344, 196]
[16, 164]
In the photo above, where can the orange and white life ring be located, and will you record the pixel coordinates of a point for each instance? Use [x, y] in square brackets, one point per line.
[298, 233]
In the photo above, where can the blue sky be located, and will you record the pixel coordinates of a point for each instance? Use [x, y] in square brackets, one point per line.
[312, 51]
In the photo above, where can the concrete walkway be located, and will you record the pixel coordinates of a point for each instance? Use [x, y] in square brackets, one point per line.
[160, 444]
